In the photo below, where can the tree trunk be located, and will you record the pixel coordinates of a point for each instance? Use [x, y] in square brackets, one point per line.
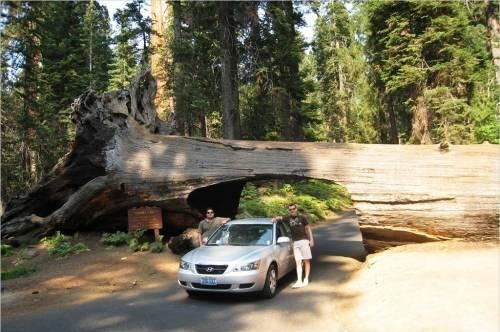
[180, 119]
[229, 71]
[493, 8]
[290, 81]
[420, 133]
[394, 139]
[161, 60]
[31, 93]
[401, 192]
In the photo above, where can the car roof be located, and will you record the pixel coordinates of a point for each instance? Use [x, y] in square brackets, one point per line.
[254, 221]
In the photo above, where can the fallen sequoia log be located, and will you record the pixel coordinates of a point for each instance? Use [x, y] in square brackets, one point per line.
[122, 158]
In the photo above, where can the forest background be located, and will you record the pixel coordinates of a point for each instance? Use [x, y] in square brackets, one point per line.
[375, 71]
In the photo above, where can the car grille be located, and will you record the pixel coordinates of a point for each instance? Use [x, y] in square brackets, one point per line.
[220, 286]
[210, 269]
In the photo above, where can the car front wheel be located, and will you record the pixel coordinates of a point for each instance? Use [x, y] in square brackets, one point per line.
[271, 284]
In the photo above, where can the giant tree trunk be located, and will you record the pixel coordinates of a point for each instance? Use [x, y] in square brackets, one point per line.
[229, 70]
[402, 193]
[161, 57]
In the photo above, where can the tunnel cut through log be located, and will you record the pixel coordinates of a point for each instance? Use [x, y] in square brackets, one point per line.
[122, 158]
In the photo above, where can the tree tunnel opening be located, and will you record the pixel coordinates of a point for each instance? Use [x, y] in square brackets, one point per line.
[319, 200]
[222, 197]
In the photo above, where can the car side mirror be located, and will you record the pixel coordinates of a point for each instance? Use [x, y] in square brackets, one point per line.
[283, 239]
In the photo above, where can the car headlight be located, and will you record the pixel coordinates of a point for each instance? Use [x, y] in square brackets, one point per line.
[247, 267]
[184, 265]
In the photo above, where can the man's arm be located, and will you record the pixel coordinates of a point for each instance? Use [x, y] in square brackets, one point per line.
[277, 219]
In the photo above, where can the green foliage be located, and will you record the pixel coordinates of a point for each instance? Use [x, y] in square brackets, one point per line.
[315, 198]
[272, 88]
[97, 42]
[134, 245]
[115, 239]
[45, 66]
[132, 45]
[343, 93]
[157, 246]
[193, 42]
[432, 68]
[144, 246]
[7, 250]
[59, 245]
[133, 240]
[17, 271]
[121, 238]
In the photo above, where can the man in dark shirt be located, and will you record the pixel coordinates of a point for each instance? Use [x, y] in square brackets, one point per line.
[209, 225]
[303, 241]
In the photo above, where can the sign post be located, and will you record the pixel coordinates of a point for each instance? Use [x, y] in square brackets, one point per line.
[147, 217]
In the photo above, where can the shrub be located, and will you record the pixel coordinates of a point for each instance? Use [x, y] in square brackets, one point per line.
[79, 247]
[314, 198]
[7, 250]
[134, 244]
[249, 192]
[144, 246]
[17, 271]
[157, 246]
[115, 239]
[59, 245]
[253, 207]
[312, 207]
[132, 239]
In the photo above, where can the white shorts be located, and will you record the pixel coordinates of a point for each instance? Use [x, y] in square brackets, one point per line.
[301, 250]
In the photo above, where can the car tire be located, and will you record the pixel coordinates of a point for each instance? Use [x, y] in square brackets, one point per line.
[271, 284]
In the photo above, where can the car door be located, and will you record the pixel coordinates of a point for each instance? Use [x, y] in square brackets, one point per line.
[284, 251]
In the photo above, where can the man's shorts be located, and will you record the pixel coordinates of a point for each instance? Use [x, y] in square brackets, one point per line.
[301, 250]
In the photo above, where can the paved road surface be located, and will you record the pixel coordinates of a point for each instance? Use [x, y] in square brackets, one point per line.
[169, 309]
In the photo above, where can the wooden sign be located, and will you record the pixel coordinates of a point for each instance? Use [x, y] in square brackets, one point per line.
[147, 217]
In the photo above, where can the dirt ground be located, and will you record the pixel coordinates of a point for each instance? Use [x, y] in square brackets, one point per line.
[85, 276]
[443, 286]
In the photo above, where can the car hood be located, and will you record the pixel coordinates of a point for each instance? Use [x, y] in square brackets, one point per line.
[225, 254]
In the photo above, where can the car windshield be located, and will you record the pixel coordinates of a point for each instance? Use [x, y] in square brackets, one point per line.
[242, 235]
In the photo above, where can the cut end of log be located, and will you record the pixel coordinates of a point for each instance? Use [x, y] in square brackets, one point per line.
[377, 238]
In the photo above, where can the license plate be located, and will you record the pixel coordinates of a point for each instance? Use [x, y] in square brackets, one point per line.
[211, 281]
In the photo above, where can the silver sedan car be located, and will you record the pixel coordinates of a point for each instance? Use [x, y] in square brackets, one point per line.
[247, 255]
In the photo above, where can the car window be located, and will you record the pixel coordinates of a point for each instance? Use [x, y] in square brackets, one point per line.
[242, 235]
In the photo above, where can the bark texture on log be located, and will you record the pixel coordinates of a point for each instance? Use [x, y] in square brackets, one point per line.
[119, 160]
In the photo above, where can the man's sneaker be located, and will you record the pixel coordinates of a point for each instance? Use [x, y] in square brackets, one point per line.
[298, 284]
[305, 283]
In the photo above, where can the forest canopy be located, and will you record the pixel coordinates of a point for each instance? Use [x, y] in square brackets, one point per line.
[400, 72]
